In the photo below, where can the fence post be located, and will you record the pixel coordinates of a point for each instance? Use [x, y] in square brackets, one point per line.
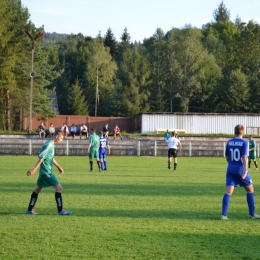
[67, 147]
[155, 148]
[30, 146]
[224, 148]
[138, 148]
[190, 150]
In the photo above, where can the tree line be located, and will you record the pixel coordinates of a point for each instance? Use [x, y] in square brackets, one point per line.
[210, 69]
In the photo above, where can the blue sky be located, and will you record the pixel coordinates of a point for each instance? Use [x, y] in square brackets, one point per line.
[141, 17]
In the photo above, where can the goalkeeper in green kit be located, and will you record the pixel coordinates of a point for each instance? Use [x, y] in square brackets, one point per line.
[93, 149]
[252, 152]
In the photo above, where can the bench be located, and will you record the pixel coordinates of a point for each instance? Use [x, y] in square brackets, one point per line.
[156, 131]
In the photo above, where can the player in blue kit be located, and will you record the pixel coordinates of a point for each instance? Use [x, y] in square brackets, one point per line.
[104, 146]
[237, 150]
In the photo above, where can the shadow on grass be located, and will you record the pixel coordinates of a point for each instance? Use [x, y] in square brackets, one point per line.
[134, 214]
[150, 214]
[175, 189]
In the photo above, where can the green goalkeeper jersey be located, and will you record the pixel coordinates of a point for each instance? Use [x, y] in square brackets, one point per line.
[252, 144]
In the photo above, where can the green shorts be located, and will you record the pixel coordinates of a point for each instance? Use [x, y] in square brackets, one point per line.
[252, 155]
[47, 180]
[93, 153]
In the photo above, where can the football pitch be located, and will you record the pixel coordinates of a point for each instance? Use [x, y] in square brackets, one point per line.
[138, 209]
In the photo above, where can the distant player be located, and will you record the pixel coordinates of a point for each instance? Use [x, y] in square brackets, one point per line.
[104, 146]
[237, 150]
[166, 135]
[173, 143]
[94, 143]
[252, 152]
[46, 177]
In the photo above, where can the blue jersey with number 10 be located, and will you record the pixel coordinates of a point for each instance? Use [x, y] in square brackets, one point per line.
[103, 145]
[235, 149]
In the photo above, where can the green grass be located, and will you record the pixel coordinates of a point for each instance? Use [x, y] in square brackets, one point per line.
[137, 210]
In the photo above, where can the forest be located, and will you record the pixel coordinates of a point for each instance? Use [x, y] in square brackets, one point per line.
[212, 69]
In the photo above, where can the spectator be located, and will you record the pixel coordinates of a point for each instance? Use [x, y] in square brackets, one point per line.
[73, 130]
[83, 131]
[117, 132]
[105, 131]
[65, 130]
[41, 130]
[51, 130]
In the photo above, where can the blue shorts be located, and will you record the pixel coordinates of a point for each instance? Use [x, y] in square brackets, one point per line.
[234, 179]
[102, 155]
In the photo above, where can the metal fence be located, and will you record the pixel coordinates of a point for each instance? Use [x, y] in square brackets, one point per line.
[118, 147]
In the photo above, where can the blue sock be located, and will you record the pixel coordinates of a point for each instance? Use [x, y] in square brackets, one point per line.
[225, 203]
[105, 164]
[251, 203]
[102, 165]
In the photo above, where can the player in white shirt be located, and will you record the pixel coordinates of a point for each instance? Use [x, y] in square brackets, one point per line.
[173, 144]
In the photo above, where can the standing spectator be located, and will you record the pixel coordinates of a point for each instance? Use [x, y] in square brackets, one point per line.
[94, 143]
[173, 144]
[65, 130]
[46, 177]
[41, 130]
[252, 152]
[237, 151]
[117, 132]
[83, 131]
[51, 130]
[73, 130]
[166, 135]
[105, 131]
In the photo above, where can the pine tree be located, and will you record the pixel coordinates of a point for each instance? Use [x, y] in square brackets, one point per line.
[76, 100]
[125, 37]
[134, 74]
[221, 14]
[156, 49]
[111, 43]
[72, 54]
